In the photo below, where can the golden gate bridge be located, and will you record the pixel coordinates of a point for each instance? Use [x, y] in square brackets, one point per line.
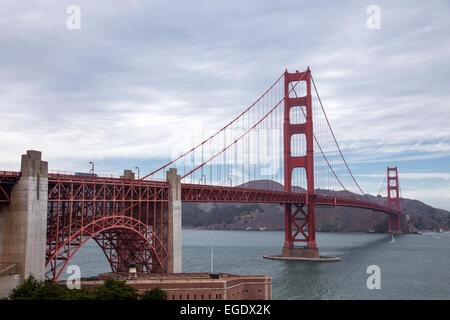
[285, 137]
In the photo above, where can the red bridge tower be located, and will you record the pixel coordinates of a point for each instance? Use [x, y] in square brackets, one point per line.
[299, 224]
[393, 200]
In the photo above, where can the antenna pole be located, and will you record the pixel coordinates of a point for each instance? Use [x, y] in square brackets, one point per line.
[212, 260]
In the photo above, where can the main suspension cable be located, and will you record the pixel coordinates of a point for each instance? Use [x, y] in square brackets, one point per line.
[246, 132]
[320, 148]
[215, 134]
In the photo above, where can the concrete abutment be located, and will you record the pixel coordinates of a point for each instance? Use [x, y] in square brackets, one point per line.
[23, 223]
[174, 216]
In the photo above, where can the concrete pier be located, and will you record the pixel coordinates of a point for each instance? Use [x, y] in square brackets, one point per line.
[316, 259]
[23, 223]
[174, 216]
[302, 254]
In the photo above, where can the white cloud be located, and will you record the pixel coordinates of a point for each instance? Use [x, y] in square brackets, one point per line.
[139, 76]
[437, 197]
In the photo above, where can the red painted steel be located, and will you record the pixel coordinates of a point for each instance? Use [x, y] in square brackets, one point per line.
[393, 196]
[207, 193]
[127, 218]
[9, 174]
[306, 162]
[7, 178]
[4, 194]
[189, 193]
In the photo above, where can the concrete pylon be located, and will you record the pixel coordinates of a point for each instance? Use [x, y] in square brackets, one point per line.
[174, 216]
[127, 174]
[23, 224]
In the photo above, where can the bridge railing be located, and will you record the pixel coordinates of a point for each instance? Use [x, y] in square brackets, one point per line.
[85, 175]
[9, 174]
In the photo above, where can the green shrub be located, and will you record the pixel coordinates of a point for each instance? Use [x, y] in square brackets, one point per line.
[115, 290]
[79, 294]
[33, 289]
[111, 289]
[154, 294]
[49, 290]
[26, 290]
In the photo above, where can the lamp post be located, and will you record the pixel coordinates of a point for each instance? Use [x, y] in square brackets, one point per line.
[92, 169]
[137, 168]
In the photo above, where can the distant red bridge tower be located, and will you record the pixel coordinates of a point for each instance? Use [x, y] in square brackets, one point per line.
[393, 196]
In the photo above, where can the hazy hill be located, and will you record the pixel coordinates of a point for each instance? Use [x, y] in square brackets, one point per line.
[238, 216]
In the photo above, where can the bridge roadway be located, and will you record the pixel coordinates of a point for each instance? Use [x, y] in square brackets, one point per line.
[85, 188]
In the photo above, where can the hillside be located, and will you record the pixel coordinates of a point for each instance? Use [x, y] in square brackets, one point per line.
[236, 216]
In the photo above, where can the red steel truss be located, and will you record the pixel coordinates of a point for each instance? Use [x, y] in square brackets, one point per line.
[4, 194]
[206, 193]
[306, 162]
[127, 218]
[7, 178]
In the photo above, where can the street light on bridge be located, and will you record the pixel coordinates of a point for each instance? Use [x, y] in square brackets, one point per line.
[137, 168]
[92, 169]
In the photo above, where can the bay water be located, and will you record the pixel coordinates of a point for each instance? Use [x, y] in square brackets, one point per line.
[414, 267]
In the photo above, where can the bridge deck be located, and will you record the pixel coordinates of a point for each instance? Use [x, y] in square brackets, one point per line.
[195, 192]
[6, 179]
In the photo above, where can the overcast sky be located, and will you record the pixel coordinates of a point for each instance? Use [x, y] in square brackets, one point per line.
[138, 75]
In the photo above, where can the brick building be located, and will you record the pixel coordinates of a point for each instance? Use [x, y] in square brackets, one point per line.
[196, 286]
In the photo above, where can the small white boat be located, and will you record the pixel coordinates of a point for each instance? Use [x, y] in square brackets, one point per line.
[393, 239]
